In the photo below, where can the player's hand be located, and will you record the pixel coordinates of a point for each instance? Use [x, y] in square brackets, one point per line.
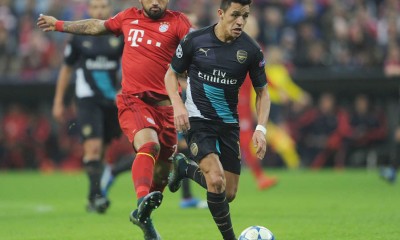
[181, 118]
[260, 143]
[58, 112]
[46, 23]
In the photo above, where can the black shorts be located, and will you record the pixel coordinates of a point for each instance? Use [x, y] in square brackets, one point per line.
[98, 119]
[205, 137]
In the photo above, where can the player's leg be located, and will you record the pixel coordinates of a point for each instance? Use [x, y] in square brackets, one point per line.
[187, 198]
[118, 155]
[90, 118]
[216, 195]
[204, 143]
[147, 150]
[94, 169]
[138, 125]
[113, 170]
[232, 183]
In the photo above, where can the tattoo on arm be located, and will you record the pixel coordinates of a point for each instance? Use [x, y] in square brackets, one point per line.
[86, 27]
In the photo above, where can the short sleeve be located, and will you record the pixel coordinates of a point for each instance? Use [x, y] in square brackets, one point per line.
[71, 52]
[257, 71]
[114, 24]
[183, 55]
[184, 26]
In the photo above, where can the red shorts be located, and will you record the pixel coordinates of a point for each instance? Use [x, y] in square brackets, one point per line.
[135, 115]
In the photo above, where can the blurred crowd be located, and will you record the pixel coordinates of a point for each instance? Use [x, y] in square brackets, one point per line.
[340, 34]
[335, 34]
[30, 139]
[318, 135]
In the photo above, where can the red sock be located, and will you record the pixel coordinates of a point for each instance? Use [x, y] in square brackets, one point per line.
[143, 168]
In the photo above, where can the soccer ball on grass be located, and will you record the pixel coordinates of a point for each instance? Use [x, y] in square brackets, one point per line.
[256, 233]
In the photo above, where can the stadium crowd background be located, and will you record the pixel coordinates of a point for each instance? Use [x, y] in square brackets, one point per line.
[334, 35]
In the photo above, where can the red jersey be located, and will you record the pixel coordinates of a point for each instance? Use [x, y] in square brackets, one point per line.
[149, 47]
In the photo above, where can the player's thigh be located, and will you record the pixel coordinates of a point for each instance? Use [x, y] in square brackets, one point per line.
[202, 140]
[167, 135]
[229, 146]
[90, 119]
[137, 121]
[112, 130]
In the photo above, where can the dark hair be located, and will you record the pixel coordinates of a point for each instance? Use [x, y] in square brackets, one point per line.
[225, 4]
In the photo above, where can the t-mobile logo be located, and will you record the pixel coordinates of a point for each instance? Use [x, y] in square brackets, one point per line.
[136, 36]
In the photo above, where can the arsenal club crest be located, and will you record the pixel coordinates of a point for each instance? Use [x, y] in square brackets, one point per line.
[241, 56]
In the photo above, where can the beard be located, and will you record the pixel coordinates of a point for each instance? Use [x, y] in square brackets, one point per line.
[159, 13]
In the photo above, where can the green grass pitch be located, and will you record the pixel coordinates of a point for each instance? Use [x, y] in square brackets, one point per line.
[305, 205]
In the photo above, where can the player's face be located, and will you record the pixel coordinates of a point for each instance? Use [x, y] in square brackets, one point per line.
[234, 19]
[99, 9]
[154, 9]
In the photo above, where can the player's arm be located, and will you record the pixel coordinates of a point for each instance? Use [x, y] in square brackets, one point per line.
[181, 116]
[263, 102]
[62, 85]
[81, 27]
[179, 65]
[263, 105]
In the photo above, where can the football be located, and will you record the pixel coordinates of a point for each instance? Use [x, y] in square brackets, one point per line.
[256, 233]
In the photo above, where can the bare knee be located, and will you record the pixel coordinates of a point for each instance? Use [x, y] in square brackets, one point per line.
[230, 195]
[216, 182]
[93, 149]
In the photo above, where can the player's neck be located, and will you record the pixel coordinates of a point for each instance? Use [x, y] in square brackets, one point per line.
[221, 35]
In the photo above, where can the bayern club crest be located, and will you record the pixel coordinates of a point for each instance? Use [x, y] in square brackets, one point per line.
[164, 27]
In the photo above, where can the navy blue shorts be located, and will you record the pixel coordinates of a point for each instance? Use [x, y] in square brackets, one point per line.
[205, 137]
[98, 119]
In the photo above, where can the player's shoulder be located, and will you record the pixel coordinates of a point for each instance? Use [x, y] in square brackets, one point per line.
[177, 16]
[198, 33]
[174, 14]
[249, 42]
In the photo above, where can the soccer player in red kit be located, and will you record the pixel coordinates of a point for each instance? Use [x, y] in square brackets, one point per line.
[151, 36]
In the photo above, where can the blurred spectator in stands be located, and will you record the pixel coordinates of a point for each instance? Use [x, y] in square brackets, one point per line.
[369, 129]
[324, 131]
[8, 43]
[392, 61]
[271, 25]
[304, 10]
[307, 36]
[312, 33]
[361, 45]
[38, 54]
[39, 140]
[316, 56]
[15, 129]
[288, 46]
[31, 7]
